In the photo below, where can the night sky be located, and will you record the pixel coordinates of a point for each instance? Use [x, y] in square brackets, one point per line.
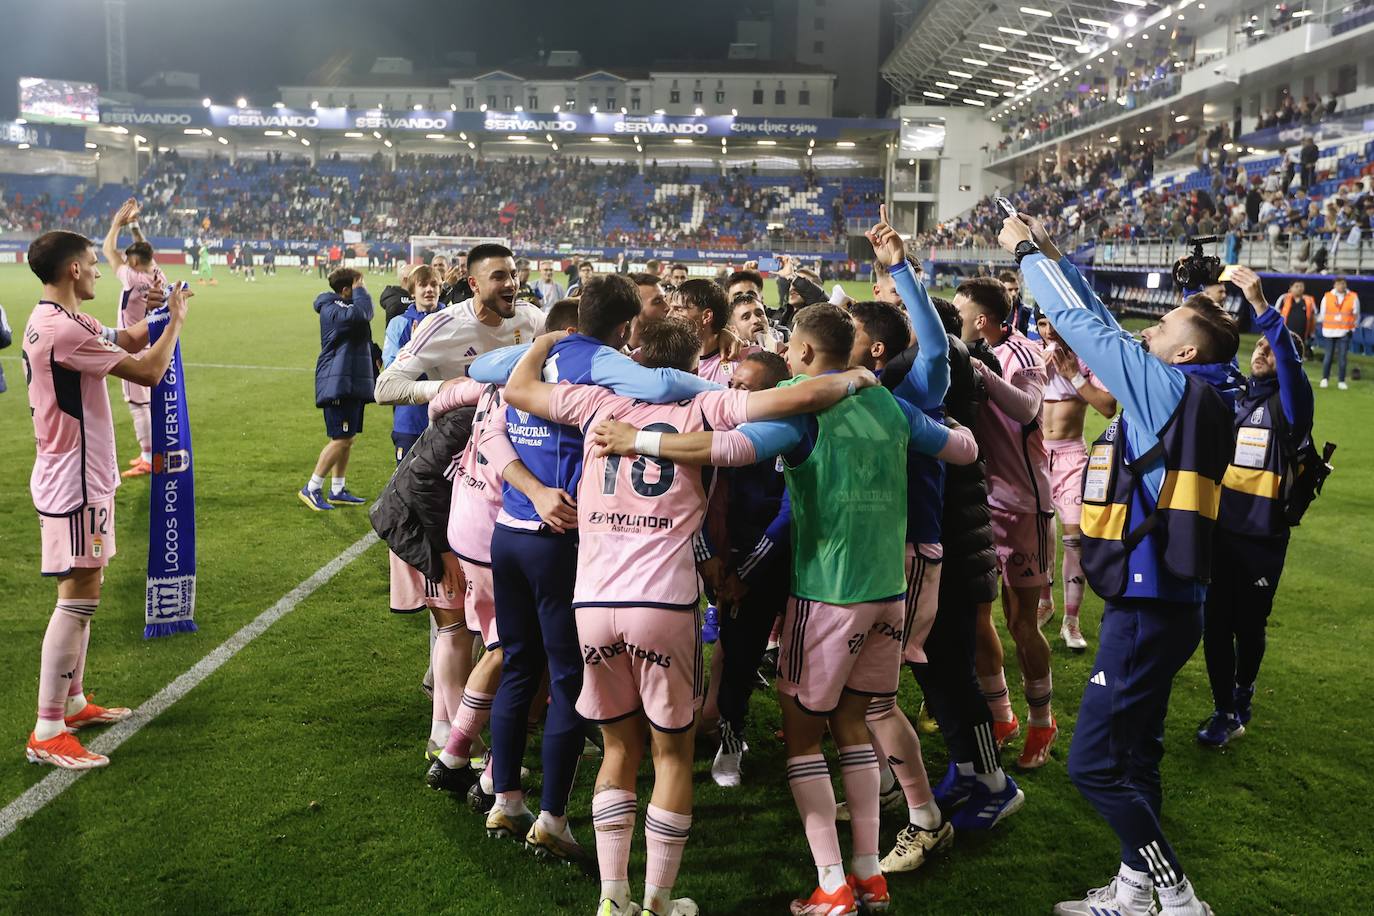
[252, 46]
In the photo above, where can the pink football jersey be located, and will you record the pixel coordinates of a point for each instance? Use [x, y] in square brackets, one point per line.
[133, 300]
[720, 370]
[636, 516]
[66, 358]
[477, 483]
[1018, 467]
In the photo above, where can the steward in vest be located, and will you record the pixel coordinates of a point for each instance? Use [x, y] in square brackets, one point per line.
[1339, 317]
[1150, 500]
[1273, 419]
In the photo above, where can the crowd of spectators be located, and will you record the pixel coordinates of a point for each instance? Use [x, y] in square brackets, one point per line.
[1291, 112]
[533, 201]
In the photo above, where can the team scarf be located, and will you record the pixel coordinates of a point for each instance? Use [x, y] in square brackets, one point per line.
[171, 598]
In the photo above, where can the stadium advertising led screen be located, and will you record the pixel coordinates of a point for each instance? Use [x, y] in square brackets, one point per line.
[59, 101]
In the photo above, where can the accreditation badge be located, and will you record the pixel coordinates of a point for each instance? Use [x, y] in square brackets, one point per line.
[1252, 444]
[1098, 475]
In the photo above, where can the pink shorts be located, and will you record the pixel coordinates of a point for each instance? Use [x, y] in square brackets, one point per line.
[922, 598]
[640, 659]
[1025, 546]
[136, 394]
[480, 604]
[83, 540]
[1068, 458]
[437, 596]
[831, 648]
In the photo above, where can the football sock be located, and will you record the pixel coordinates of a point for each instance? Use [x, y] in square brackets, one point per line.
[865, 866]
[926, 816]
[996, 780]
[859, 770]
[61, 652]
[964, 767]
[830, 877]
[1039, 692]
[512, 803]
[316, 483]
[76, 693]
[1176, 896]
[665, 835]
[994, 689]
[486, 780]
[556, 825]
[448, 678]
[613, 819]
[143, 429]
[336, 484]
[899, 751]
[473, 712]
[1134, 886]
[1047, 593]
[1073, 574]
[809, 779]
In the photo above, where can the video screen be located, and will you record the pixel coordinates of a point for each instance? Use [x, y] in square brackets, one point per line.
[58, 101]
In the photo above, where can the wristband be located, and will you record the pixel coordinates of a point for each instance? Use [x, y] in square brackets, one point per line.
[647, 443]
[1078, 381]
[110, 334]
[134, 226]
[851, 389]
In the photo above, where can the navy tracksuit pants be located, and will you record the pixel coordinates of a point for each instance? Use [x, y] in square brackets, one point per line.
[532, 580]
[1119, 739]
[744, 637]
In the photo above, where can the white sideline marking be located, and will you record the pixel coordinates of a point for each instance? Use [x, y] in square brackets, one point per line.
[16, 359]
[58, 781]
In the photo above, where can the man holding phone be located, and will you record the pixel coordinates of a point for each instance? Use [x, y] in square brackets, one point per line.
[137, 274]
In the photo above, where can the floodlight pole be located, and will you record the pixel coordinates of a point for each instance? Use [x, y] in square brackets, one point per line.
[116, 73]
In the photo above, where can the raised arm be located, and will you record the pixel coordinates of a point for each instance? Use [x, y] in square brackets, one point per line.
[1295, 391]
[928, 380]
[127, 213]
[1075, 280]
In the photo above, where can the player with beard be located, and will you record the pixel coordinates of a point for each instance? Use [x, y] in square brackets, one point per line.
[652, 305]
[636, 597]
[1071, 389]
[704, 305]
[441, 347]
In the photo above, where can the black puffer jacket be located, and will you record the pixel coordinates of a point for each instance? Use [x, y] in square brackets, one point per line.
[970, 564]
[411, 514]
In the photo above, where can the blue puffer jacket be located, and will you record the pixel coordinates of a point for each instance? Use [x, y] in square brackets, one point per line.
[344, 370]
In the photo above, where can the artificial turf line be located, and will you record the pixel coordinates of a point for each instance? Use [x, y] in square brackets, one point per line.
[57, 782]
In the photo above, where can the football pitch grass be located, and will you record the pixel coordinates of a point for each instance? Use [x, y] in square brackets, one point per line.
[290, 779]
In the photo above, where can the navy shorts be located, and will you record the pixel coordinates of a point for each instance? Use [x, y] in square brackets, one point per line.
[343, 419]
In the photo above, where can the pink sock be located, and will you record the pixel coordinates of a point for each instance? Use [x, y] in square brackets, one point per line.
[1073, 574]
[859, 770]
[472, 715]
[809, 779]
[895, 740]
[613, 819]
[1047, 593]
[665, 834]
[78, 676]
[143, 425]
[448, 683]
[1039, 692]
[994, 689]
[61, 653]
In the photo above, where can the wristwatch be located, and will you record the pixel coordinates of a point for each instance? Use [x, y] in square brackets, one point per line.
[1024, 248]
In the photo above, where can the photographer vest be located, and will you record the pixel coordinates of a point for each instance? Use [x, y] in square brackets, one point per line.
[1254, 488]
[1118, 512]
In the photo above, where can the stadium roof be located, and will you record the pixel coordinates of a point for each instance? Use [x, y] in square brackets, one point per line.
[987, 53]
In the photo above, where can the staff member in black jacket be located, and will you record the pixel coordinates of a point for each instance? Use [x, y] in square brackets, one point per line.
[1273, 419]
[344, 378]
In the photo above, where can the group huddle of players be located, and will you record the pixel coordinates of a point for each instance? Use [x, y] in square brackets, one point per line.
[652, 439]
